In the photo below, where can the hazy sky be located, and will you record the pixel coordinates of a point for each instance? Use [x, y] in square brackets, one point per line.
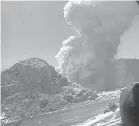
[37, 29]
[32, 29]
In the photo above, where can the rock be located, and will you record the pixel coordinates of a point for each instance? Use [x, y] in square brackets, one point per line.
[129, 107]
[30, 75]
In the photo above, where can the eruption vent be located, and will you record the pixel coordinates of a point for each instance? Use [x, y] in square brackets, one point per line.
[99, 26]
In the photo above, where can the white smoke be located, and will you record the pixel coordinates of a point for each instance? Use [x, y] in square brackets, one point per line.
[99, 26]
[129, 46]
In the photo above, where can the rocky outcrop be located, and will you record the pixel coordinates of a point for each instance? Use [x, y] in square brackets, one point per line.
[32, 87]
[31, 75]
[129, 105]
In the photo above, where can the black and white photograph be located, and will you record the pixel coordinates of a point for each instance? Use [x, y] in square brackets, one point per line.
[69, 63]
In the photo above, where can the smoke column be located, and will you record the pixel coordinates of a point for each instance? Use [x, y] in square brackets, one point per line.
[99, 26]
[129, 45]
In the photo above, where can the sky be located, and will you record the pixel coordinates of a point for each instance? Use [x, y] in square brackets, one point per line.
[37, 29]
[32, 29]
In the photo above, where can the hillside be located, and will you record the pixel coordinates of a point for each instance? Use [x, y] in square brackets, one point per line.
[76, 114]
[31, 73]
[33, 87]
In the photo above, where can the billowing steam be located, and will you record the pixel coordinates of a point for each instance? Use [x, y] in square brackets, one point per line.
[129, 45]
[99, 25]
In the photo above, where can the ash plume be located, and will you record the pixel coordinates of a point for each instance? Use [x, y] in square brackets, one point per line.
[99, 26]
[129, 45]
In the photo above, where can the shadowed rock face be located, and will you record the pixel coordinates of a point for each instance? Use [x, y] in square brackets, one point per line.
[33, 74]
[129, 107]
[136, 95]
[137, 2]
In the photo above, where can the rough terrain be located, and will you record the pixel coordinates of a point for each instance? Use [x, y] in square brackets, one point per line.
[78, 114]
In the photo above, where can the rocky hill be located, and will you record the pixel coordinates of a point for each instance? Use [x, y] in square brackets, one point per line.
[33, 87]
[33, 74]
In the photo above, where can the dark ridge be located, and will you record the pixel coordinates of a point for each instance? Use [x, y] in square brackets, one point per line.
[129, 105]
[137, 2]
[136, 94]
